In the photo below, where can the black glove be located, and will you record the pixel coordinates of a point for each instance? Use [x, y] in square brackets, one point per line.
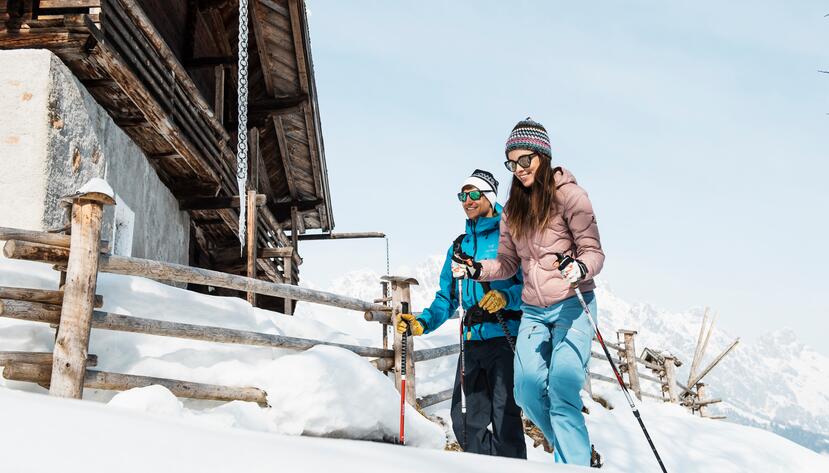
[463, 263]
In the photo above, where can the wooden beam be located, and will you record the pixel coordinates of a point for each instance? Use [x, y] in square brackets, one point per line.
[278, 104]
[285, 155]
[36, 358]
[297, 32]
[45, 238]
[216, 203]
[257, 17]
[251, 244]
[164, 271]
[72, 342]
[40, 295]
[219, 74]
[283, 252]
[401, 293]
[711, 365]
[438, 352]
[432, 399]
[121, 382]
[341, 236]
[630, 362]
[702, 345]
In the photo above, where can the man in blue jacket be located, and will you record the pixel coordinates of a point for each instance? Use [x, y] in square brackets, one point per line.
[488, 379]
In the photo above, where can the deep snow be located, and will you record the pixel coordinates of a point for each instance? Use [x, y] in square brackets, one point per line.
[321, 392]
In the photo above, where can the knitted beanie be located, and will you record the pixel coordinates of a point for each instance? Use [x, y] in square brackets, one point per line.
[484, 181]
[531, 135]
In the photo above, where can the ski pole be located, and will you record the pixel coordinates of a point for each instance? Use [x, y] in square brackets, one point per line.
[403, 348]
[485, 285]
[565, 260]
[463, 358]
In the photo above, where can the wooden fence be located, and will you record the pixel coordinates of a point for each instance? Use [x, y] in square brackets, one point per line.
[81, 255]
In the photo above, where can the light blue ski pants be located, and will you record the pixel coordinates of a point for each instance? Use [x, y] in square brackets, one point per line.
[552, 354]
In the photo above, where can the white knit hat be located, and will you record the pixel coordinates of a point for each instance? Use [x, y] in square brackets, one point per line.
[484, 181]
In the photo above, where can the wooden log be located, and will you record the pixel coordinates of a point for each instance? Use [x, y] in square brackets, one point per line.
[377, 316]
[341, 236]
[702, 393]
[219, 93]
[600, 356]
[698, 347]
[702, 345]
[30, 251]
[41, 374]
[72, 342]
[35, 357]
[251, 245]
[401, 292]
[284, 252]
[602, 377]
[163, 271]
[670, 379]
[432, 399]
[711, 365]
[432, 353]
[36, 312]
[630, 361]
[30, 311]
[288, 274]
[53, 239]
[650, 378]
[385, 325]
[39, 295]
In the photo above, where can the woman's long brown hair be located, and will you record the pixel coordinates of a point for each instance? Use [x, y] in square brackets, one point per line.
[528, 210]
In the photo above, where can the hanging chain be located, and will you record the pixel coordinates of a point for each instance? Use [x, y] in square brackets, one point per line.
[387, 256]
[242, 129]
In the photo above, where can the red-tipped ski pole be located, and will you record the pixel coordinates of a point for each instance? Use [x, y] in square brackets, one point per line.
[403, 347]
[565, 260]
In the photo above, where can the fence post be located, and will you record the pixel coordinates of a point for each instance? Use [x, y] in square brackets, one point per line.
[701, 395]
[670, 378]
[400, 292]
[72, 343]
[630, 361]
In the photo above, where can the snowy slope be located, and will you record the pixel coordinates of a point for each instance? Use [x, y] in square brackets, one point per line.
[786, 390]
[324, 392]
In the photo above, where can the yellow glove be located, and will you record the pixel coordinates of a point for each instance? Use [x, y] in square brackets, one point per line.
[493, 301]
[408, 320]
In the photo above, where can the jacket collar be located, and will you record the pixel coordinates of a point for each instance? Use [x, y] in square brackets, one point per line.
[485, 224]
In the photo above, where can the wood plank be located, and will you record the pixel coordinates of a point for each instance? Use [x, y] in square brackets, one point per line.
[251, 246]
[163, 271]
[219, 93]
[216, 203]
[432, 399]
[40, 295]
[72, 342]
[257, 17]
[121, 382]
[341, 236]
[285, 154]
[297, 31]
[283, 252]
[37, 358]
[438, 352]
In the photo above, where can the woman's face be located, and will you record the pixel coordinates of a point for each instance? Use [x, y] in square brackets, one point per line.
[525, 175]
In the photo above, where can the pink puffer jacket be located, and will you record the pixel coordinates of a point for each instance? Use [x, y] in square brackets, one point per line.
[572, 231]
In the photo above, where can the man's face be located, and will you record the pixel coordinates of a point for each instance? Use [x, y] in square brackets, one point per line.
[476, 208]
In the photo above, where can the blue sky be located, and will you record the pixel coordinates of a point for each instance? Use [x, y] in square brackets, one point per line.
[699, 130]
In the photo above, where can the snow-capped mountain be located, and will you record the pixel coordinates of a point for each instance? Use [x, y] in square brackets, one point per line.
[776, 382]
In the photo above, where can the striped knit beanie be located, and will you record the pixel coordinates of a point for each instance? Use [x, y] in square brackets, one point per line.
[531, 135]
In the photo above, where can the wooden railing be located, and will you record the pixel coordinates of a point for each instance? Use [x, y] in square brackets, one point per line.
[80, 255]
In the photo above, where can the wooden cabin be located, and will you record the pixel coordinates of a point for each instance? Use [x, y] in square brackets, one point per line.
[165, 72]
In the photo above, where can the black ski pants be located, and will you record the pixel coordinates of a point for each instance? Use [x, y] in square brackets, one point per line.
[490, 404]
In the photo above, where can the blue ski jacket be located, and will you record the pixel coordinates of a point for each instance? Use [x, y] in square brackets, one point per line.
[481, 242]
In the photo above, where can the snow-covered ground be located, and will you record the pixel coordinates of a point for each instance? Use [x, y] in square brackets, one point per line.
[323, 392]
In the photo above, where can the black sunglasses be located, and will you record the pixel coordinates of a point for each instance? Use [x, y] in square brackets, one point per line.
[523, 161]
[474, 195]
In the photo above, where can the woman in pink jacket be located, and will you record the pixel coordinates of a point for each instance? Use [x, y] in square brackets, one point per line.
[548, 214]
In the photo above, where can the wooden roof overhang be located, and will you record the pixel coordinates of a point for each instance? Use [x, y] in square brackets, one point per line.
[136, 73]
